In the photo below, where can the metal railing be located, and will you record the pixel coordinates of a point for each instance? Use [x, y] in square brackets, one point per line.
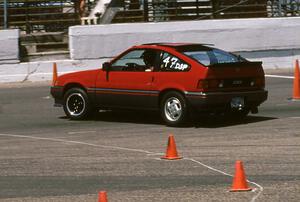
[283, 8]
[57, 15]
[239, 9]
[42, 15]
[169, 10]
[32, 15]
[179, 10]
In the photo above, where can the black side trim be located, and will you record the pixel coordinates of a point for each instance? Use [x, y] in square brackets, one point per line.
[113, 90]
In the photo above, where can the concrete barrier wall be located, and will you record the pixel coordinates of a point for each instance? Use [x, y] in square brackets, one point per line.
[42, 71]
[9, 43]
[250, 36]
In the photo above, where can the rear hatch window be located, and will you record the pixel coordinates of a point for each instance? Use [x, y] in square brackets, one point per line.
[212, 57]
[226, 71]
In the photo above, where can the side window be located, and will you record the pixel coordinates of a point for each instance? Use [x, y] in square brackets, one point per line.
[132, 61]
[137, 60]
[169, 62]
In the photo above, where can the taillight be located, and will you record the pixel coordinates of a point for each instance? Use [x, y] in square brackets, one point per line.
[230, 83]
[260, 82]
[207, 84]
[203, 84]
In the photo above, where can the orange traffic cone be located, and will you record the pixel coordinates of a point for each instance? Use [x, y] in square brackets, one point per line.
[54, 76]
[171, 153]
[296, 93]
[239, 180]
[102, 196]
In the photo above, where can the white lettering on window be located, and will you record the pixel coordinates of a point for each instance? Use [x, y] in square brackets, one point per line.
[166, 61]
[174, 63]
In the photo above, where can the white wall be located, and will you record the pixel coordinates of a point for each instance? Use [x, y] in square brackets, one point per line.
[42, 71]
[237, 35]
[274, 59]
[9, 46]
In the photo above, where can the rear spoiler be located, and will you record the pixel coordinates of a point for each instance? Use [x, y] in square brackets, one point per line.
[237, 64]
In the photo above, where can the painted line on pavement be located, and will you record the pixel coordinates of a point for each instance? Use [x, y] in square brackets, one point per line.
[80, 132]
[135, 150]
[224, 173]
[279, 76]
[76, 142]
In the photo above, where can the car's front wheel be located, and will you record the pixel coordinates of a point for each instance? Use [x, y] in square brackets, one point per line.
[76, 104]
[173, 108]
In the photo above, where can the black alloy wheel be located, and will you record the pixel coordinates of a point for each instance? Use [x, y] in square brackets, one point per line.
[76, 104]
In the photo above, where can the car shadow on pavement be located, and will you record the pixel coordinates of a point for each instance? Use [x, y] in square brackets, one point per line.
[214, 121]
[127, 116]
[149, 117]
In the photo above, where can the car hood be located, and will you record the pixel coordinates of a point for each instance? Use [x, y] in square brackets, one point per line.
[85, 78]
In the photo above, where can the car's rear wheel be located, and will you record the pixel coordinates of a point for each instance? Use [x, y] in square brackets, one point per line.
[76, 104]
[173, 108]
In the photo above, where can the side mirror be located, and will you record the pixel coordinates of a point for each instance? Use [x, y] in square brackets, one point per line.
[106, 66]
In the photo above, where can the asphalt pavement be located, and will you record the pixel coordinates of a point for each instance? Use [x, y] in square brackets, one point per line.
[46, 157]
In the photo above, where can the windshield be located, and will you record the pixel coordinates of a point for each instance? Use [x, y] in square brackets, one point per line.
[213, 56]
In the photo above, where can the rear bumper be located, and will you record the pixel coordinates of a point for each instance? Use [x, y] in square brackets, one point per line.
[57, 94]
[213, 101]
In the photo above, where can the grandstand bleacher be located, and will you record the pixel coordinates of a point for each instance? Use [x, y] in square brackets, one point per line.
[57, 15]
[44, 18]
[37, 15]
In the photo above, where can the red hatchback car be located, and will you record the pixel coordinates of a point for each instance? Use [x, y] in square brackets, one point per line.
[174, 78]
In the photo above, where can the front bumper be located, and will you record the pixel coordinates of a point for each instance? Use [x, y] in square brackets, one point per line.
[214, 101]
[57, 94]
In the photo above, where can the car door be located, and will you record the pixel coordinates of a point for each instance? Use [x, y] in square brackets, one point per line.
[128, 84]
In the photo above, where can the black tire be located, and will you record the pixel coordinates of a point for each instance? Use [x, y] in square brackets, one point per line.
[76, 104]
[173, 108]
